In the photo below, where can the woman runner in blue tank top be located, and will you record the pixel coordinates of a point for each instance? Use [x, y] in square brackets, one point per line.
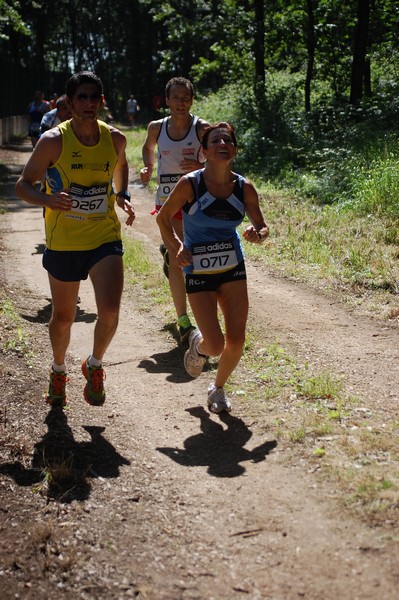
[214, 201]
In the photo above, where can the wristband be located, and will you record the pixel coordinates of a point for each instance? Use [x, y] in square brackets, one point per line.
[123, 194]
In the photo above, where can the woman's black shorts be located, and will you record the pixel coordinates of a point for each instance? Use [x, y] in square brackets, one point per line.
[195, 282]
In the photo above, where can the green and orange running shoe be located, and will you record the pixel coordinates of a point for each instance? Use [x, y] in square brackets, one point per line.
[94, 389]
[56, 395]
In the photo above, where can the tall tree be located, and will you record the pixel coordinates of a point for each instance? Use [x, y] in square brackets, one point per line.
[259, 53]
[311, 46]
[359, 63]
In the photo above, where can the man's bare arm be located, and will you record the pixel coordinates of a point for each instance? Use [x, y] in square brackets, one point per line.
[148, 150]
[46, 153]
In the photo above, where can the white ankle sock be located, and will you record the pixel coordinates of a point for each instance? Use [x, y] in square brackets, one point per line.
[93, 362]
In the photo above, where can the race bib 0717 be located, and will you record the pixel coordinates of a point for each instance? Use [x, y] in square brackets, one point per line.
[89, 199]
[213, 257]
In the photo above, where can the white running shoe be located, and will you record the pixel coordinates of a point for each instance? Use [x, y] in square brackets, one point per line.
[194, 362]
[217, 401]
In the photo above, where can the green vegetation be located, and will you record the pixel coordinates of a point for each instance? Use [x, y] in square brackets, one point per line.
[332, 222]
[14, 338]
[311, 412]
[141, 270]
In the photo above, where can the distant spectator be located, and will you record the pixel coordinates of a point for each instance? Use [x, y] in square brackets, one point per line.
[156, 104]
[61, 113]
[37, 108]
[53, 100]
[105, 114]
[132, 108]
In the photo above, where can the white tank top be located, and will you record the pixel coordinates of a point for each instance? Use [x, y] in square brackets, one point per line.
[171, 153]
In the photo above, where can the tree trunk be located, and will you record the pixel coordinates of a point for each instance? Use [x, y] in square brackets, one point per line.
[359, 66]
[259, 53]
[311, 45]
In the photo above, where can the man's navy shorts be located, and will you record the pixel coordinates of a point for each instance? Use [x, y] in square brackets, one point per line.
[74, 265]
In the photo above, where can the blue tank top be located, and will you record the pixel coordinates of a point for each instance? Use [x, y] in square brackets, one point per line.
[210, 226]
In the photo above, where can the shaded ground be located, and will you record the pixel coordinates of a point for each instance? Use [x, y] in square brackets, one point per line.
[156, 498]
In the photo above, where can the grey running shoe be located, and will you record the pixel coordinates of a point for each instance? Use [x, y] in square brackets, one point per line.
[194, 362]
[217, 401]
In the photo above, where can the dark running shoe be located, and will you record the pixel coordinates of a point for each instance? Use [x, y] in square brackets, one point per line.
[184, 332]
[163, 250]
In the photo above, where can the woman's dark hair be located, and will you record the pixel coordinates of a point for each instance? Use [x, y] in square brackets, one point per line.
[79, 79]
[222, 125]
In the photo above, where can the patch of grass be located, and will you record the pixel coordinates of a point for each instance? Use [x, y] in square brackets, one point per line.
[48, 541]
[376, 190]
[370, 494]
[141, 270]
[319, 452]
[334, 249]
[14, 338]
[135, 139]
[321, 385]
[313, 414]
[298, 436]
[61, 477]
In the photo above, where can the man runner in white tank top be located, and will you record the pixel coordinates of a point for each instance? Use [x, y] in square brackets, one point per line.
[178, 138]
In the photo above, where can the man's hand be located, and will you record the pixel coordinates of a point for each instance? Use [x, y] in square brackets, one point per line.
[189, 164]
[145, 174]
[127, 207]
[59, 201]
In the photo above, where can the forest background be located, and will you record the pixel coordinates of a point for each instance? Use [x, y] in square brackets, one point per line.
[311, 87]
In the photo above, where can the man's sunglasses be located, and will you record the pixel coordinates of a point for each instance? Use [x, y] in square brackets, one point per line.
[90, 97]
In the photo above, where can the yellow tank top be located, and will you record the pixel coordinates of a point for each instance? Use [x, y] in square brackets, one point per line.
[87, 172]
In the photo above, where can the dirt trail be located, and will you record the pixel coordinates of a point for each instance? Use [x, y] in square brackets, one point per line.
[179, 504]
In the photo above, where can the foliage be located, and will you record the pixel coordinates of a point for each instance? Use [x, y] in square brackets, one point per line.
[137, 46]
[334, 154]
[376, 191]
[11, 20]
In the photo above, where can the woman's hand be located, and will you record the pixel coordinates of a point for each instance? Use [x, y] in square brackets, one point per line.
[254, 236]
[184, 257]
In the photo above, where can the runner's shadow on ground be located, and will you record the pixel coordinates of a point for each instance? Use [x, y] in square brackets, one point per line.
[218, 448]
[43, 315]
[171, 361]
[62, 467]
[39, 249]
[167, 362]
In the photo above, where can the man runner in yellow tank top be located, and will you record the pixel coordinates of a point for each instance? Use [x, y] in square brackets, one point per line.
[86, 173]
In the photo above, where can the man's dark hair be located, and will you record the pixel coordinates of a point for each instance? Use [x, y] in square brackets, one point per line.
[79, 79]
[179, 81]
[61, 100]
